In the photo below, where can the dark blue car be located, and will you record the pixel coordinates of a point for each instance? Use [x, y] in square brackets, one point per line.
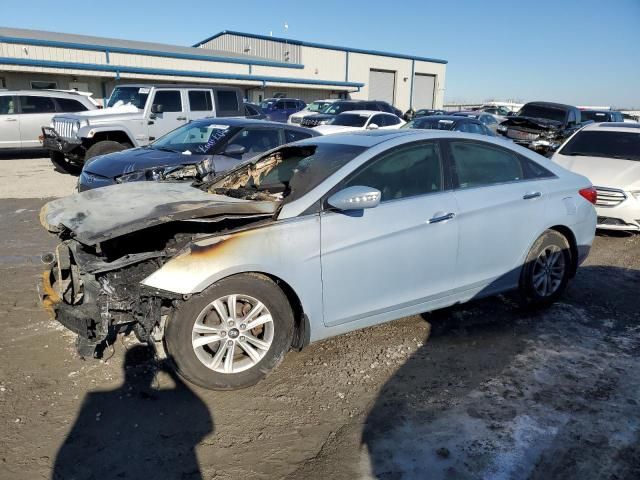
[279, 109]
[218, 143]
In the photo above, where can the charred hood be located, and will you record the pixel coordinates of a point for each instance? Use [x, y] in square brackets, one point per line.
[104, 213]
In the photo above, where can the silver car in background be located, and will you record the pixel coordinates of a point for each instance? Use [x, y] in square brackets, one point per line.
[24, 112]
[310, 240]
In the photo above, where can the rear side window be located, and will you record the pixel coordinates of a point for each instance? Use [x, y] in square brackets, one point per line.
[295, 135]
[169, 99]
[478, 165]
[70, 105]
[200, 101]
[7, 105]
[227, 101]
[470, 127]
[403, 173]
[33, 104]
[290, 105]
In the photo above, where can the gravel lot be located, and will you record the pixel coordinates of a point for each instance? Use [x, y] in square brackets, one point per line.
[479, 391]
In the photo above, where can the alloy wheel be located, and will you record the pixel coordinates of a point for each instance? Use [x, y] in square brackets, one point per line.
[548, 271]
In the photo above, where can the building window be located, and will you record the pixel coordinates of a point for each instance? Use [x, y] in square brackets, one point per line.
[42, 85]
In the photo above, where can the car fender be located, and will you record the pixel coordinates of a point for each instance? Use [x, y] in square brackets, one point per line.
[90, 131]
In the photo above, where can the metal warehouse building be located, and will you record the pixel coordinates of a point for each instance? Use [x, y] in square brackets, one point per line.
[262, 65]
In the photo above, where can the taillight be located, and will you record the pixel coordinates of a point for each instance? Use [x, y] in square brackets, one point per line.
[591, 194]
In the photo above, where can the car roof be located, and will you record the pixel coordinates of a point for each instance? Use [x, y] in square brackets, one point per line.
[364, 138]
[453, 118]
[43, 92]
[612, 126]
[174, 85]
[275, 99]
[248, 122]
[469, 112]
[563, 106]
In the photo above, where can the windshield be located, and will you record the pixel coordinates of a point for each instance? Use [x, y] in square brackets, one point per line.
[194, 138]
[316, 106]
[349, 120]
[290, 171]
[623, 145]
[136, 96]
[267, 104]
[539, 111]
[335, 108]
[430, 123]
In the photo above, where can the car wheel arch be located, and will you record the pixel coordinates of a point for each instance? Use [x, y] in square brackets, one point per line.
[567, 233]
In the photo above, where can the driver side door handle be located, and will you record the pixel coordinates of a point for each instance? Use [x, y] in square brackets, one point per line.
[441, 218]
[530, 195]
[181, 118]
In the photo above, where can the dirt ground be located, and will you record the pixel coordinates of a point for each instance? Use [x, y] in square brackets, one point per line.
[479, 391]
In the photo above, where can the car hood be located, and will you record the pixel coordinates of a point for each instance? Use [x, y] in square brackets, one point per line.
[115, 164]
[328, 129]
[603, 172]
[105, 213]
[323, 116]
[110, 114]
[532, 122]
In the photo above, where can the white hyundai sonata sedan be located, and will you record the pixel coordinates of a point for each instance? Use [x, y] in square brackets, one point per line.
[608, 154]
[310, 240]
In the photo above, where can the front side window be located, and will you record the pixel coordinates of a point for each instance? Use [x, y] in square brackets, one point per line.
[227, 101]
[431, 123]
[70, 105]
[470, 127]
[136, 96]
[403, 173]
[379, 120]
[257, 140]
[620, 145]
[7, 105]
[478, 165]
[200, 101]
[349, 120]
[291, 105]
[169, 99]
[30, 104]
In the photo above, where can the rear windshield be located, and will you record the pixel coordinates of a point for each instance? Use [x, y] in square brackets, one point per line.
[623, 145]
[431, 123]
[595, 116]
[539, 111]
[349, 120]
[136, 96]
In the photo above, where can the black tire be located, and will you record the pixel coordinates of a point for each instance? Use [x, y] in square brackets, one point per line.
[104, 147]
[179, 331]
[529, 290]
[62, 165]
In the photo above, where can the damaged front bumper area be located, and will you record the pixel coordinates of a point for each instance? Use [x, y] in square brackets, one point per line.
[95, 299]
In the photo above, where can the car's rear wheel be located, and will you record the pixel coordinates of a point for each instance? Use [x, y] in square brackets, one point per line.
[546, 271]
[104, 147]
[233, 334]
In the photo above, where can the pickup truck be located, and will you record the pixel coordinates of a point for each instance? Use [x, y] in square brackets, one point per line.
[135, 116]
[542, 126]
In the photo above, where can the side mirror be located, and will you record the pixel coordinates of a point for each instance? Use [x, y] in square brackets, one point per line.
[156, 108]
[355, 198]
[372, 126]
[234, 150]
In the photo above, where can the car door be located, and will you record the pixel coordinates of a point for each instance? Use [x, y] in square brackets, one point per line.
[398, 255]
[501, 211]
[199, 103]
[35, 112]
[9, 122]
[173, 113]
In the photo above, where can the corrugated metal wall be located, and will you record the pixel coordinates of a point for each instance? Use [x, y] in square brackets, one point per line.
[256, 47]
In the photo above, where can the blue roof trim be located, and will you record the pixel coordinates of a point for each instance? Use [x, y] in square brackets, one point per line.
[321, 45]
[117, 69]
[154, 53]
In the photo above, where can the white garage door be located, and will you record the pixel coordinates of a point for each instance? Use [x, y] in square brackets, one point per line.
[382, 85]
[423, 87]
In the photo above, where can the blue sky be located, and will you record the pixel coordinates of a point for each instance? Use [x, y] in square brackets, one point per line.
[573, 51]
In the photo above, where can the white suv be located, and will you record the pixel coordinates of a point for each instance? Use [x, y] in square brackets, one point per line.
[311, 109]
[23, 112]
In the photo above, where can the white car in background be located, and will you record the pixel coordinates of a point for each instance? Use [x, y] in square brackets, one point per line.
[313, 108]
[355, 120]
[609, 155]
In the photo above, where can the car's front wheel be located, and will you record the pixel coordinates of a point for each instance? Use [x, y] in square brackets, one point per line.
[231, 335]
[547, 270]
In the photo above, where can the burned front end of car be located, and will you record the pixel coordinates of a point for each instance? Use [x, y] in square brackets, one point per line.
[113, 238]
[96, 299]
[540, 135]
